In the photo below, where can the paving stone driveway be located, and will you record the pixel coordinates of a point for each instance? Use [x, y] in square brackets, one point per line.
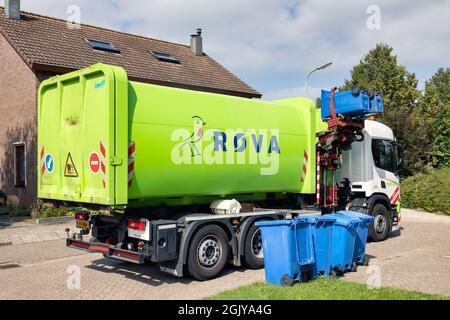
[418, 259]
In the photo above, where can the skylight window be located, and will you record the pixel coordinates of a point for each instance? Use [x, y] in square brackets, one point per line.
[164, 57]
[103, 46]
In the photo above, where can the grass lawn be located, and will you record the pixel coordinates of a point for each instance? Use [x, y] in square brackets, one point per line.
[322, 289]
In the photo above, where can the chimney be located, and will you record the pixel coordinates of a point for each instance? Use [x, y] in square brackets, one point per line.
[196, 43]
[12, 9]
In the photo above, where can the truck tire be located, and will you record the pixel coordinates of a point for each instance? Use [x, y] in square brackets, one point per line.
[379, 229]
[253, 251]
[208, 252]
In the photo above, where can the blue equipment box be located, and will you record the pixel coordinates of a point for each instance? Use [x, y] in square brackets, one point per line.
[348, 104]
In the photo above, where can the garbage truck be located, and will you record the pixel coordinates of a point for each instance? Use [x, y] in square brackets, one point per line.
[179, 178]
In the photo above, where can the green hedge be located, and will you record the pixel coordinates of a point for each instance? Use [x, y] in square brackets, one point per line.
[430, 191]
[40, 209]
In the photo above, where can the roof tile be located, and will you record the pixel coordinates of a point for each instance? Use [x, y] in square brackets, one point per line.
[48, 41]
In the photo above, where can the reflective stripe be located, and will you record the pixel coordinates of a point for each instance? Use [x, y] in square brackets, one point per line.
[103, 162]
[395, 196]
[43, 167]
[305, 165]
[131, 157]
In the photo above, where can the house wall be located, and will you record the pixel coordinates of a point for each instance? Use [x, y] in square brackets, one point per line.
[18, 92]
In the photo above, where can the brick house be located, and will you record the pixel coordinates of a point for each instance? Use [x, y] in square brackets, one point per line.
[34, 47]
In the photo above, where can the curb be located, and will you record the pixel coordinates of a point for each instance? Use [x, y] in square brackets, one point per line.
[32, 238]
[54, 220]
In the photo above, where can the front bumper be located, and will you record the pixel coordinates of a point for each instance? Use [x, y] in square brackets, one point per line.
[108, 250]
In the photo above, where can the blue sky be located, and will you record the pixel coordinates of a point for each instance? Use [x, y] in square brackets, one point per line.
[273, 44]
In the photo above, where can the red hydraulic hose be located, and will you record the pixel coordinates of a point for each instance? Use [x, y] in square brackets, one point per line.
[318, 179]
[333, 112]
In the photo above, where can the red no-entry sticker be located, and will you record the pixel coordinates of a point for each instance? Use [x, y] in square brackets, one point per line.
[94, 162]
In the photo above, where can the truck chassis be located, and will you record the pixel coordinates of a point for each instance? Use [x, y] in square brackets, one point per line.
[198, 243]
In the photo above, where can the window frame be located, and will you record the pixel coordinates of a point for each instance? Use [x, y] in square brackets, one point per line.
[112, 50]
[160, 56]
[392, 143]
[16, 182]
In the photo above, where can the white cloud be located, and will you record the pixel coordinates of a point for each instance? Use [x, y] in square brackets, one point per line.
[313, 93]
[262, 40]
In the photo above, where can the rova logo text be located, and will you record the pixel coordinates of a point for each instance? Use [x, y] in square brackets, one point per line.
[200, 146]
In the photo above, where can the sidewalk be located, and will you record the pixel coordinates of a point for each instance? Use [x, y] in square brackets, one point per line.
[28, 231]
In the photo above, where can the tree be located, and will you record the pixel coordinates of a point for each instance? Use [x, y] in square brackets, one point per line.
[436, 104]
[380, 71]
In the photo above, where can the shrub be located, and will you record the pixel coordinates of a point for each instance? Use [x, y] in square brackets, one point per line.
[429, 191]
[45, 210]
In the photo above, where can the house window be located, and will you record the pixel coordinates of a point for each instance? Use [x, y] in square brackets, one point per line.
[164, 57]
[103, 46]
[19, 165]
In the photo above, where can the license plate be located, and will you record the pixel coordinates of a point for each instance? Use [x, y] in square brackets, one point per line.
[83, 224]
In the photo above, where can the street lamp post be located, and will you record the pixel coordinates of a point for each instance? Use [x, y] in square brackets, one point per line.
[326, 65]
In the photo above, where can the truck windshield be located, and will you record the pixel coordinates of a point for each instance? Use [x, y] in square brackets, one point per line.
[384, 154]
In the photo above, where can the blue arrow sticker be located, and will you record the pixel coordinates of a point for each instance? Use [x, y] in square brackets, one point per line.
[49, 163]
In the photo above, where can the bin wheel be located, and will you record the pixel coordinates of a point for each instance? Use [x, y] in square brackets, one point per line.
[286, 281]
[354, 266]
[366, 261]
[339, 270]
[208, 252]
[306, 276]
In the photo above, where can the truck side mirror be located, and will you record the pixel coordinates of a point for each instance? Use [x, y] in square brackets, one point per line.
[399, 156]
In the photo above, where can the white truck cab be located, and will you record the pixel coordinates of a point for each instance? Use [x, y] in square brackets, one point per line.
[370, 170]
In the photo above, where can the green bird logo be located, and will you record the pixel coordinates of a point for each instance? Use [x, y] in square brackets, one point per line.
[195, 137]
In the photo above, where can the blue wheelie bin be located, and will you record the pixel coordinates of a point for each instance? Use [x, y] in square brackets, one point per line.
[345, 103]
[288, 249]
[322, 245]
[343, 242]
[359, 255]
[304, 227]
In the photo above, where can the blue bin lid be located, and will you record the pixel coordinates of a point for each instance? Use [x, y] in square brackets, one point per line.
[366, 218]
[272, 223]
[346, 221]
[327, 218]
[306, 219]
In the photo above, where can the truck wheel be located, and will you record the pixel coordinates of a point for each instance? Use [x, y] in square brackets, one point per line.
[208, 252]
[254, 256]
[380, 227]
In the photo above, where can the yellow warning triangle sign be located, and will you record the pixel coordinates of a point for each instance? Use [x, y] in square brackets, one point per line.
[70, 170]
